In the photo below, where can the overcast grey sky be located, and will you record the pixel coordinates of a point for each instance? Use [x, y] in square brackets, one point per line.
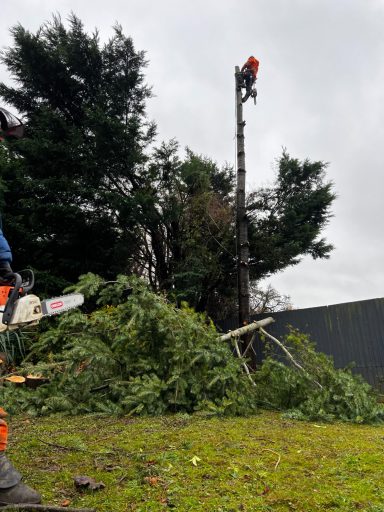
[321, 95]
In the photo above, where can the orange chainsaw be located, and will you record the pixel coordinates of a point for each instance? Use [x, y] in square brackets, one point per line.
[19, 308]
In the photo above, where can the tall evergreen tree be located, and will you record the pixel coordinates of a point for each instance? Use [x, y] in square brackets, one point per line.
[186, 218]
[189, 232]
[287, 219]
[70, 209]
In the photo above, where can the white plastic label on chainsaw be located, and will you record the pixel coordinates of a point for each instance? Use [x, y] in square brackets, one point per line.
[58, 305]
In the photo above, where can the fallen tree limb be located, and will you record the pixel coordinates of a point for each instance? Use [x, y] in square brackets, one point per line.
[62, 447]
[289, 355]
[276, 453]
[246, 329]
[259, 325]
[43, 508]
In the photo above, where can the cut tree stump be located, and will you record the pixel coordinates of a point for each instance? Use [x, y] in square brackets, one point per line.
[34, 381]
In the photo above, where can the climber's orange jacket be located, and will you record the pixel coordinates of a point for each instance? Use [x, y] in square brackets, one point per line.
[252, 65]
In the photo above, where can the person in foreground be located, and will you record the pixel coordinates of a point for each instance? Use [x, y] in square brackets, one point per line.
[12, 490]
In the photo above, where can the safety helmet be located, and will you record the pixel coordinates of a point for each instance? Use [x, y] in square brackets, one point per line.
[10, 125]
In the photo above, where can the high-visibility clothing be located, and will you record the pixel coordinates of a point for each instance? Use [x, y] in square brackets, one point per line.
[252, 65]
[3, 435]
[12, 490]
[3, 430]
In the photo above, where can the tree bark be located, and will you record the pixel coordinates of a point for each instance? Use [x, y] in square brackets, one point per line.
[247, 329]
[242, 244]
[241, 215]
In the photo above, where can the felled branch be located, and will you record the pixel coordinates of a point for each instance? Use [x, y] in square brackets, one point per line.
[246, 329]
[276, 453]
[61, 447]
[259, 325]
[289, 355]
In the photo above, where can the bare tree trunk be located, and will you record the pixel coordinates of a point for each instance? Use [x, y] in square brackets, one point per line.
[241, 214]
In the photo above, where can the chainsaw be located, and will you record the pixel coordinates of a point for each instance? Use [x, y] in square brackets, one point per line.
[19, 308]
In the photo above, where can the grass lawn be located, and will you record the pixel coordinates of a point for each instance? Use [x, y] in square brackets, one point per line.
[262, 463]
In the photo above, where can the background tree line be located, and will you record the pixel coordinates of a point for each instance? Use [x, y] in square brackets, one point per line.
[88, 190]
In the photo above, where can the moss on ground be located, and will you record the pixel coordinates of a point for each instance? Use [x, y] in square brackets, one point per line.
[194, 463]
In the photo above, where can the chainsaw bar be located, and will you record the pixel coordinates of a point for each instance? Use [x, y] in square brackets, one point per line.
[59, 305]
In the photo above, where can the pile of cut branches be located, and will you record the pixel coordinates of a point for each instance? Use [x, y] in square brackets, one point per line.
[136, 353]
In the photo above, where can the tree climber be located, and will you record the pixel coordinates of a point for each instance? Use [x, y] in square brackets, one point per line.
[249, 72]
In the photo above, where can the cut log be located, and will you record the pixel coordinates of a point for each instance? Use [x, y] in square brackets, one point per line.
[15, 379]
[34, 381]
[247, 329]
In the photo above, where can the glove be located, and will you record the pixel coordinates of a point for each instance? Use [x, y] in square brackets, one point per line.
[5, 271]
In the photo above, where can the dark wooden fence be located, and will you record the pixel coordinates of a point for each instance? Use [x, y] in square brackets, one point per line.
[350, 332]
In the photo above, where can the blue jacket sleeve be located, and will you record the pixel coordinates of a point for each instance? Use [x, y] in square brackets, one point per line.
[5, 250]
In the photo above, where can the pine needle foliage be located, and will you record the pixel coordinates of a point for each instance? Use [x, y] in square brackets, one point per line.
[321, 392]
[136, 353]
[133, 355]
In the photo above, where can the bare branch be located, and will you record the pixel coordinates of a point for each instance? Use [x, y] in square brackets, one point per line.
[244, 363]
[289, 355]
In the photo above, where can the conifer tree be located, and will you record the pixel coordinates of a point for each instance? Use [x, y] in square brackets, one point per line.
[70, 208]
[189, 228]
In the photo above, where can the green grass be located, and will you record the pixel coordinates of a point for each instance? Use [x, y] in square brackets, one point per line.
[262, 463]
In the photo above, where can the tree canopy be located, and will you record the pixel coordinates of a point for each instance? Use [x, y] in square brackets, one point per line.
[287, 218]
[190, 223]
[69, 206]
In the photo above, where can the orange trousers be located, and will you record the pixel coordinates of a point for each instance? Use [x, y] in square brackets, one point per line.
[3, 430]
